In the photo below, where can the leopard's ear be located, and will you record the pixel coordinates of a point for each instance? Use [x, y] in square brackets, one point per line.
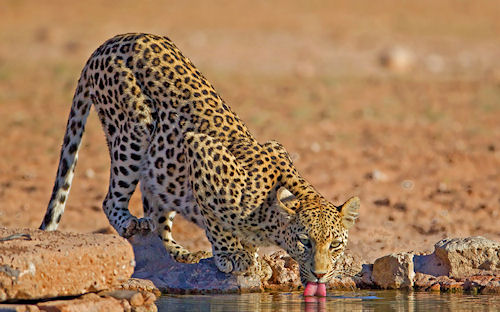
[350, 211]
[285, 200]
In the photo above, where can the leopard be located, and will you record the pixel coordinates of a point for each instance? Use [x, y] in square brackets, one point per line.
[171, 133]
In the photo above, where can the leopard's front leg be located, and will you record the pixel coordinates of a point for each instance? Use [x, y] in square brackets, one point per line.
[218, 181]
[230, 254]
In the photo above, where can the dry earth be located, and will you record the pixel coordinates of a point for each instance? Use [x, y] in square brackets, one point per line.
[418, 139]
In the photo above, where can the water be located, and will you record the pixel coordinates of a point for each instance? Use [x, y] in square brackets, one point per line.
[335, 301]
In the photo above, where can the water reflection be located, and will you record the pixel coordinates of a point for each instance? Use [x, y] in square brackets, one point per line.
[342, 301]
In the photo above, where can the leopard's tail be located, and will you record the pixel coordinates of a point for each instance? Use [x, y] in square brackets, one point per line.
[69, 153]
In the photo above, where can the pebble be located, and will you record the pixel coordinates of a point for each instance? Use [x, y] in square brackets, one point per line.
[89, 173]
[382, 202]
[315, 147]
[407, 184]
[397, 59]
[377, 175]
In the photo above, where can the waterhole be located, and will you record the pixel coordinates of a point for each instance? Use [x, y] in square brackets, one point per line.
[335, 301]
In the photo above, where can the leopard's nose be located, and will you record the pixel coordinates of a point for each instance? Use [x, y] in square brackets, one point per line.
[319, 275]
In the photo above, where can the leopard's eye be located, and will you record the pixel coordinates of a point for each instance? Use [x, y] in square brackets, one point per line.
[304, 240]
[335, 245]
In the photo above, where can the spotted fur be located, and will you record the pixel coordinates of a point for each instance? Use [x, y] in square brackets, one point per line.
[167, 128]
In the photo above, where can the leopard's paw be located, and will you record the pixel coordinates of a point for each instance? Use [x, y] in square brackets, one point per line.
[146, 225]
[192, 257]
[134, 226]
[237, 262]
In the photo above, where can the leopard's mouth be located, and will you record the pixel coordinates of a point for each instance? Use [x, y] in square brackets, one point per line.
[315, 289]
[315, 286]
[307, 276]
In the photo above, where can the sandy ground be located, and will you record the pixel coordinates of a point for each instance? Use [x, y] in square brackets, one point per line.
[418, 142]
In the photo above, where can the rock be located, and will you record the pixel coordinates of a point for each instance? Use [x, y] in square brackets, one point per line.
[430, 265]
[155, 264]
[485, 284]
[464, 257]
[397, 59]
[424, 281]
[376, 175]
[136, 300]
[394, 271]
[341, 283]
[18, 308]
[435, 287]
[448, 284]
[131, 300]
[55, 264]
[142, 285]
[493, 286]
[285, 272]
[120, 300]
[382, 201]
[365, 277]
[90, 302]
[130, 295]
[348, 265]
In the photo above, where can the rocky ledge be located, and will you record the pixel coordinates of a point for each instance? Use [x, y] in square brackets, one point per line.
[54, 271]
[458, 264]
[37, 266]
[470, 264]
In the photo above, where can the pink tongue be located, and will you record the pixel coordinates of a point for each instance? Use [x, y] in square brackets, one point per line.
[310, 289]
[315, 289]
[321, 290]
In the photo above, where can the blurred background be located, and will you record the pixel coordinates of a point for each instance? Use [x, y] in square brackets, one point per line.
[397, 102]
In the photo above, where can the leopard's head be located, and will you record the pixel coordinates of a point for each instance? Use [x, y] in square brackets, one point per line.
[316, 233]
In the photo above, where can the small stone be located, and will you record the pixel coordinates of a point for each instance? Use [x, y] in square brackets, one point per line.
[435, 287]
[443, 188]
[315, 147]
[18, 308]
[424, 281]
[382, 202]
[400, 206]
[137, 300]
[394, 271]
[397, 58]
[142, 285]
[377, 175]
[149, 298]
[126, 306]
[493, 287]
[284, 270]
[449, 284]
[366, 276]
[477, 281]
[341, 283]
[407, 185]
[82, 304]
[89, 173]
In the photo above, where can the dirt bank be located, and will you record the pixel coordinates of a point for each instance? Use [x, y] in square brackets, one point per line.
[419, 145]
